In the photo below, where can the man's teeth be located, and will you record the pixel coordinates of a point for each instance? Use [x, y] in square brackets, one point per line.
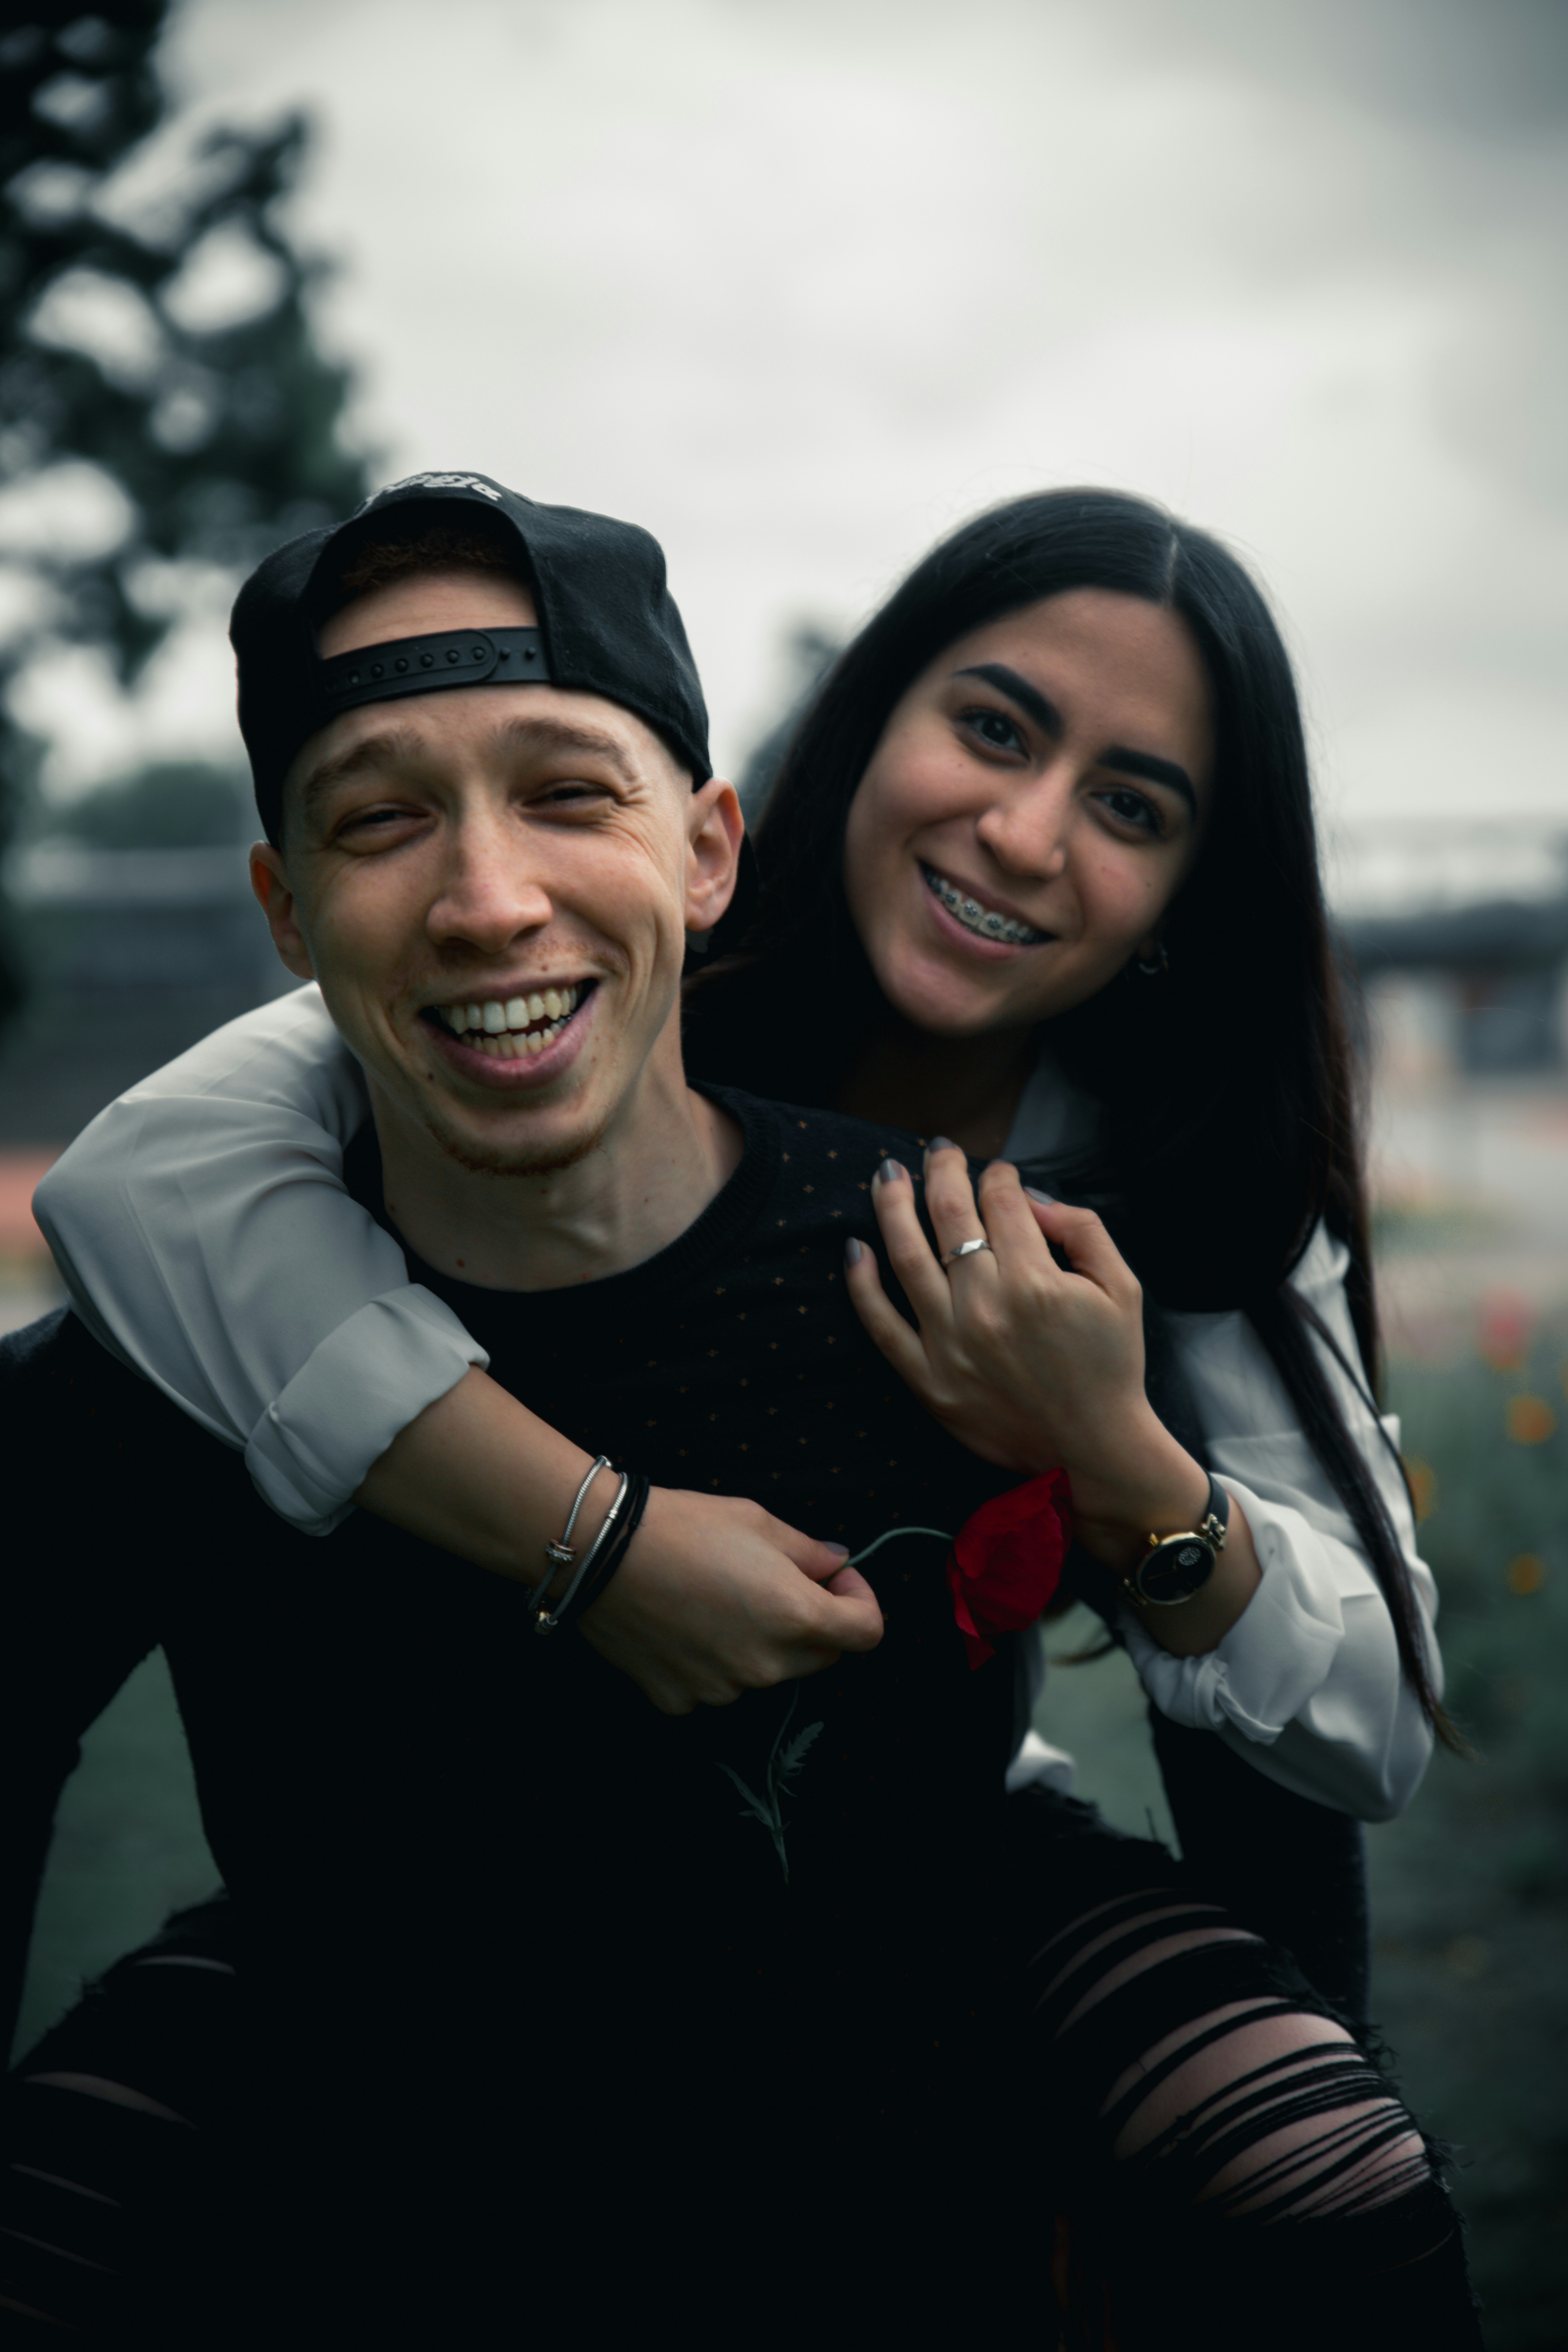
[983, 920]
[514, 1027]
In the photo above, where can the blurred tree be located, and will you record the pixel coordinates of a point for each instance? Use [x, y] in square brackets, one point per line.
[159, 344]
[169, 804]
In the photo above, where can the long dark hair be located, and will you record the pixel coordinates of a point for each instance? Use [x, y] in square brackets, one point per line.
[1228, 1087]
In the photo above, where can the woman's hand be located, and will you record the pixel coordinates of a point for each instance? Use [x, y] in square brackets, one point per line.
[715, 1597]
[1027, 1364]
[1032, 1365]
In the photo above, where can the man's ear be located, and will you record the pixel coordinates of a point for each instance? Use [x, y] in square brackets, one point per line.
[715, 833]
[269, 880]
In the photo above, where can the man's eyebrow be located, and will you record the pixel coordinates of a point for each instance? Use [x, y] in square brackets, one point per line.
[382, 749]
[391, 745]
[527, 733]
[1048, 719]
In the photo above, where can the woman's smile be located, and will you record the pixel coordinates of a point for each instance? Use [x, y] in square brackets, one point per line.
[980, 916]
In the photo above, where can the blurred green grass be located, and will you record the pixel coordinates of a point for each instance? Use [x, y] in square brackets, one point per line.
[128, 1849]
[1470, 1888]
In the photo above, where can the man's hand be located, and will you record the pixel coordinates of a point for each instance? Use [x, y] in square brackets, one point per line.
[716, 1597]
[712, 1598]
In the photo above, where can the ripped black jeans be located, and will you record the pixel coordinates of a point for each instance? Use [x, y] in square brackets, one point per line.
[1241, 2170]
[1211, 2155]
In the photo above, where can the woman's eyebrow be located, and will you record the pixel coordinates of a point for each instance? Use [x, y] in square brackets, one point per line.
[1017, 689]
[1048, 719]
[1154, 772]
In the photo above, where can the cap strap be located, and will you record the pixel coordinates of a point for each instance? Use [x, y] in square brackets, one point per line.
[421, 665]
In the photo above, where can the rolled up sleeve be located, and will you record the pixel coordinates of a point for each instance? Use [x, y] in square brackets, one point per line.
[1308, 1683]
[201, 1226]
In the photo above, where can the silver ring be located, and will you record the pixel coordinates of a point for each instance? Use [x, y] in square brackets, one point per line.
[966, 1249]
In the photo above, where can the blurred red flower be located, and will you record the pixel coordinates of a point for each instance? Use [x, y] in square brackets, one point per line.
[1006, 1561]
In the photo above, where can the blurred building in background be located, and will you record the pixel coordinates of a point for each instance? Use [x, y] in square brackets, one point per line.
[134, 954]
[1477, 990]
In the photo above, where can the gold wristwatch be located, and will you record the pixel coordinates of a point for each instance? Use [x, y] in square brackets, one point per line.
[1176, 1566]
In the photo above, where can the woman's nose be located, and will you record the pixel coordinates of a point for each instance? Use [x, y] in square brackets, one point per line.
[1026, 830]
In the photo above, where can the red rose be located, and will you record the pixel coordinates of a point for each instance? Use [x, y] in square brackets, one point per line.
[1007, 1562]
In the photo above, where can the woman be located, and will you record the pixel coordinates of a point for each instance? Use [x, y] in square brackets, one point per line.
[1068, 747]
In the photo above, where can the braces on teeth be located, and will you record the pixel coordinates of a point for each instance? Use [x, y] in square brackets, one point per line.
[983, 919]
[503, 1028]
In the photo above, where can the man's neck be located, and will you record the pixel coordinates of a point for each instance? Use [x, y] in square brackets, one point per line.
[651, 1175]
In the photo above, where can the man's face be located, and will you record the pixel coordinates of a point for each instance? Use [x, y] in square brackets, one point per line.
[492, 887]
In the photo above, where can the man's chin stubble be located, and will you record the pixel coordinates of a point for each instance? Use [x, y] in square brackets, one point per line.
[512, 1159]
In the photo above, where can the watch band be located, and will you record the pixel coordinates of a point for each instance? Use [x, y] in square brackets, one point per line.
[1176, 1566]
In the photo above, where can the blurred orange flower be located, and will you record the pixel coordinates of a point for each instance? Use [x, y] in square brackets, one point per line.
[1423, 1485]
[1526, 1574]
[1530, 1420]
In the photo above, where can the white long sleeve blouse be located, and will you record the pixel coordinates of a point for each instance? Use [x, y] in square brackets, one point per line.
[203, 1229]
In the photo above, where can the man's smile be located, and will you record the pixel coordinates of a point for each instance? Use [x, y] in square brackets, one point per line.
[526, 1036]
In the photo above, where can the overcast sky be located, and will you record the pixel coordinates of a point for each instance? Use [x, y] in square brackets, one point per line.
[800, 283]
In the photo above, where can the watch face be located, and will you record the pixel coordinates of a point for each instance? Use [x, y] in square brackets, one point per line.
[1174, 1569]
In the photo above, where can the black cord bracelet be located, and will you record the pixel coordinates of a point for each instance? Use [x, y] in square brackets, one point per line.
[614, 1550]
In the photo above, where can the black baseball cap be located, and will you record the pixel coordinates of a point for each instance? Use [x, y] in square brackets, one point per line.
[607, 625]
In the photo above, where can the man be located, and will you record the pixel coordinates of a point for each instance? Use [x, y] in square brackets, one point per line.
[566, 2012]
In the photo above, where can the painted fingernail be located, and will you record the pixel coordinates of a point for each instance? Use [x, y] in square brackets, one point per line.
[888, 1172]
[1046, 1200]
[852, 1252]
[842, 1549]
[942, 1143]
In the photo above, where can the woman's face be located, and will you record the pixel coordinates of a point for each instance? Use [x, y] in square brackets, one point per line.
[1036, 802]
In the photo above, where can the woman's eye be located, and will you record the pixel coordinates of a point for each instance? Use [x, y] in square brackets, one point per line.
[995, 727]
[1131, 808]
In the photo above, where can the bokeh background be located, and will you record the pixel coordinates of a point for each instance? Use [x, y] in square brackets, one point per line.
[799, 284]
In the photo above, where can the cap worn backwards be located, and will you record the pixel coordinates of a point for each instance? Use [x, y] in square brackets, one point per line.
[607, 625]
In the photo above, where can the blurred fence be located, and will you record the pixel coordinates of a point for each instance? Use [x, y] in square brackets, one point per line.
[132, 955]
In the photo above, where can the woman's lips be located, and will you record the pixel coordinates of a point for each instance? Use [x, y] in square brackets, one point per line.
[985, 931]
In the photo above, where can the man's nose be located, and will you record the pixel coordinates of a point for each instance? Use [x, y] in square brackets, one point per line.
[489, 892]
[1027, 828]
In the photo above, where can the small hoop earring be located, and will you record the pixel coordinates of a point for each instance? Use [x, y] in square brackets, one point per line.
[1160, 969]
